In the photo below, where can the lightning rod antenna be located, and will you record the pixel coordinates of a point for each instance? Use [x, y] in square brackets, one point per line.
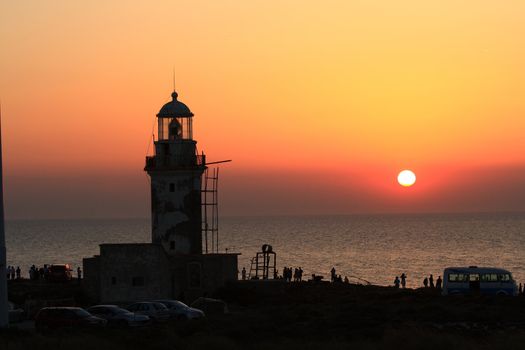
[173, 77]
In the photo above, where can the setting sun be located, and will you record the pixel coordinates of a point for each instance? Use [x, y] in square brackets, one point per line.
[406, 178]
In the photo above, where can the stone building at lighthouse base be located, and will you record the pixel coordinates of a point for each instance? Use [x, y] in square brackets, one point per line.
[143, 271]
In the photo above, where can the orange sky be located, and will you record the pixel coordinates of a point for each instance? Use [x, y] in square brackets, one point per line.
[319, 104]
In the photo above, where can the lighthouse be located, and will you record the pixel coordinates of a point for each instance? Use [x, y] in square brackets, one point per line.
[176, 170]
[174, 264]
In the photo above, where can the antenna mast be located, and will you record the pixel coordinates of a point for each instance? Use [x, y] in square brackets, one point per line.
[174, 78]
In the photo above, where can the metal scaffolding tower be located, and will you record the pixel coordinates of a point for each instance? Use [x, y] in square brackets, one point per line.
[210, 210]
[263, 265]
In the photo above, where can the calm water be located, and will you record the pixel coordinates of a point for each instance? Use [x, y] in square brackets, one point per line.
[375, 247]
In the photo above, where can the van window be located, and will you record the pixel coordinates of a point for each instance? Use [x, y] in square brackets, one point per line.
[473, 277]
[489, 277]
[504, 277]
[457, 277]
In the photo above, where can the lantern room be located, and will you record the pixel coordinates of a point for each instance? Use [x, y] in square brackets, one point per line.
[175, 121]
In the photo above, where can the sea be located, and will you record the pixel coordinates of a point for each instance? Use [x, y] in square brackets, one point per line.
[365, 248]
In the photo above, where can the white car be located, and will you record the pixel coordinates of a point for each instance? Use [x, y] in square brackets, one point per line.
[157, 312]
[117, 316]
[180, 311]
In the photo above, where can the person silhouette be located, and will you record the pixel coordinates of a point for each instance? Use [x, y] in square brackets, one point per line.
[396, 282]
[332, 274]
[425, 282]
[243, 274]
[439, 281]
[403, 280]
[431, 281]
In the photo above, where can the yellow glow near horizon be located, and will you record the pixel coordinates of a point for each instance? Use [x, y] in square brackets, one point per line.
[406, 178]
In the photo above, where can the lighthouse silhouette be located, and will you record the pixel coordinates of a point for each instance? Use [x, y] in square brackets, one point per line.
[176, 175]
[173, 265]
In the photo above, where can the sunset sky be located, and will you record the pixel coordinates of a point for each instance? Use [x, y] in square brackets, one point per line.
[320, 104]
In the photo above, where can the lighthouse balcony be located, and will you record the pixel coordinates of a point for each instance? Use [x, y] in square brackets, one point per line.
[178, 162]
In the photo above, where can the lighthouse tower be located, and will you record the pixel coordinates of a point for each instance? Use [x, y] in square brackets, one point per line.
[176, 170]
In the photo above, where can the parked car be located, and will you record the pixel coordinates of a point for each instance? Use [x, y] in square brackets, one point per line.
[180, 311]
[60, 273]
[66, 317]
[117, 316]
[157, 312]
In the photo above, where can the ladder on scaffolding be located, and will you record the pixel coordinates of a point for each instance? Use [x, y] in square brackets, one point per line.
[210, 210]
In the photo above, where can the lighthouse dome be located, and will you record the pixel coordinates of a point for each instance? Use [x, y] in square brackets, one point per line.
[175, 109]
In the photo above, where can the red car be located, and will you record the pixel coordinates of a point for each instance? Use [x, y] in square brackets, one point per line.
[60, 273]
[66, 317]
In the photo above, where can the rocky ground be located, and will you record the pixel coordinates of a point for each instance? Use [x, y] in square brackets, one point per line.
[312, 316]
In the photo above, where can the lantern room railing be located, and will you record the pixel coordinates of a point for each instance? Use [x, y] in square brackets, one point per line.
[168, 162]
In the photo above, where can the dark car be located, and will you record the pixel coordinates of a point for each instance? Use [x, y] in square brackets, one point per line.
[157, 312]
[66, 317]
[117, 316]
[60, 273]
[180, 311]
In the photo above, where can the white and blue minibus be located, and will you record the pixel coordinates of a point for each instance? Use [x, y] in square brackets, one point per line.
[478, 280]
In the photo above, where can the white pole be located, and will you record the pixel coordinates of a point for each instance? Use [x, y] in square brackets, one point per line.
[4, 314]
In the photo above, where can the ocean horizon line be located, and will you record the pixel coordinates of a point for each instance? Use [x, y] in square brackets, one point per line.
[308, 215]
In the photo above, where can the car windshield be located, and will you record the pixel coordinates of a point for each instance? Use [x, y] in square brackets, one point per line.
[81, 312]
[119, 310]
[173, 304]
[177, 303]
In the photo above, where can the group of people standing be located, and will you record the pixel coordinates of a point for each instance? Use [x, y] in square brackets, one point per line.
[13, 273]
[402, 281]
[296, 274]
[36, 273]
[428, 282]
[334, 277]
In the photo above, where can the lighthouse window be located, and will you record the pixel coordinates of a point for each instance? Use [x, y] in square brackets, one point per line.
[113, 280]
[172, 187]
[172, 245]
